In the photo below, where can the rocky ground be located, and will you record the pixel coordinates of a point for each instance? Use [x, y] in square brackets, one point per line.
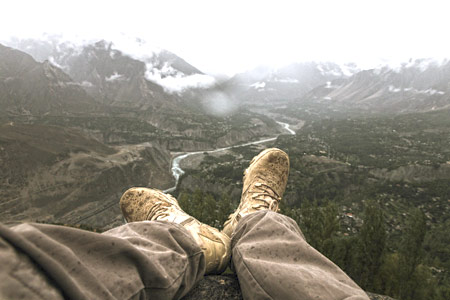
[226, 287]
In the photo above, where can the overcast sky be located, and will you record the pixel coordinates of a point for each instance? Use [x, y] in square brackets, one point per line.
[231, 36]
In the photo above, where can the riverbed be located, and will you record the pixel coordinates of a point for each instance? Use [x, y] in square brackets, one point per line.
[177, 171]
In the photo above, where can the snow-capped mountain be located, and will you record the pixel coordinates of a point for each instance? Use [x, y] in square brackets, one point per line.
[289, 82]
[114, 78]
[419, 85]
[158, 79]
[118, 78]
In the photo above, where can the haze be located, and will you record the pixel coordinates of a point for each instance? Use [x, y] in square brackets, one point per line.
[233, 36]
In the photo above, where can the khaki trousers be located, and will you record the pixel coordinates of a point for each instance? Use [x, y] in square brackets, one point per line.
[160, 260]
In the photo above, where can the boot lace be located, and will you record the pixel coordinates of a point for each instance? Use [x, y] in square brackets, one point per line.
[158, 210]
[264, 197]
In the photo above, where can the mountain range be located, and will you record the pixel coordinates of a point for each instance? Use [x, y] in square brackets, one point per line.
[419, 86]
[160, 89]
[160, 80]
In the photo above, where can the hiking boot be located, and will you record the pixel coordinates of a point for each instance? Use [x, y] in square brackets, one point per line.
[140, 204]
[264, 184]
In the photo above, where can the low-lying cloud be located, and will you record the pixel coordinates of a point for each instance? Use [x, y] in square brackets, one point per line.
[174, 81]
[171, 79]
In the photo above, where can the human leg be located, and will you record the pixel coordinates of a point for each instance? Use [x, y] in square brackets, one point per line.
[269, 252]
[273, 261]
[134, 261]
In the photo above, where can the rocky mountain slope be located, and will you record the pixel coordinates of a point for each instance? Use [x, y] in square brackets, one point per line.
[119, 86]
[150, 80]
[28, 87]
[56, 174]
[114, 78]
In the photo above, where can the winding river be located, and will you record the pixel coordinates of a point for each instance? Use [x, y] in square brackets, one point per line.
[177, 172]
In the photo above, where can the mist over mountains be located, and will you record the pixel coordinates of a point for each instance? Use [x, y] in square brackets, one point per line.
[162, 79]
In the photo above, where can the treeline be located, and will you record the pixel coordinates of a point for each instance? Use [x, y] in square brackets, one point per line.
[400, 271]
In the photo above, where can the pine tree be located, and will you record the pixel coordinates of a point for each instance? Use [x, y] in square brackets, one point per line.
[320, 225]
[411, 255]
[312, 223]
[209, 209]
[224, 209]
[372, 244]
[331, 220]
[330, 227]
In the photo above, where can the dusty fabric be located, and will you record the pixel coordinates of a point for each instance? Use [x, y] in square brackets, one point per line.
[142, 260]
[273, 261]
[160, 260]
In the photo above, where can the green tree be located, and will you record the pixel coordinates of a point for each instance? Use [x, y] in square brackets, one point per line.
[330, 227]
[311, 223]
[343, 254]
[372, 245]
[224, 209]
[388, 279]
[411, 255]
[204, 207]
[319, 224]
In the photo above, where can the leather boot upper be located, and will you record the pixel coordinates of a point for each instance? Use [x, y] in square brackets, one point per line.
[263, 185]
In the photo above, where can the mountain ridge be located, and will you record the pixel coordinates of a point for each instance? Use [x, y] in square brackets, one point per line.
[30, 87]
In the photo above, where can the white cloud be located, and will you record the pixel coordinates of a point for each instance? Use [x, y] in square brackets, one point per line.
[114, 77]
[174, 81]
[137, 48]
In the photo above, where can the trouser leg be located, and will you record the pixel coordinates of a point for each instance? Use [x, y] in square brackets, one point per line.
[157, 260]
[273, 261]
